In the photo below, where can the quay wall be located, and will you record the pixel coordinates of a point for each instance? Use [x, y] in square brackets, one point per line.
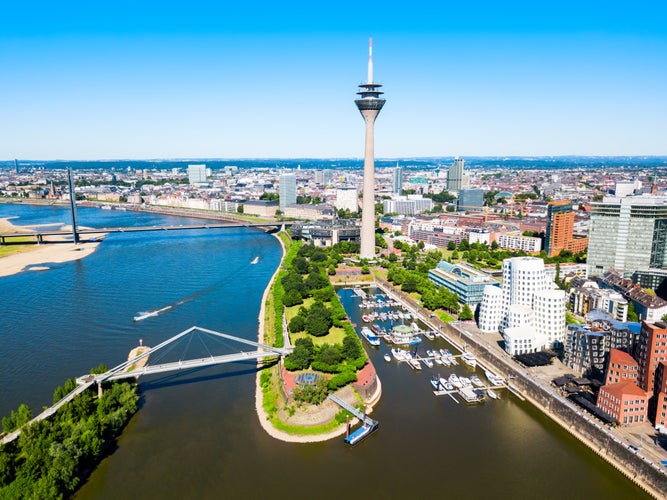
[566, 414]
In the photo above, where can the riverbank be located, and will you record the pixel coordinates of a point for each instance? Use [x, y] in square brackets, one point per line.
[37, 257]
[323, 413]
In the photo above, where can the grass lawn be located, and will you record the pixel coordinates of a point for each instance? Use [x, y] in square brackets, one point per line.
[444, 316]
[335, 336]
[14, 249]
[290, 312]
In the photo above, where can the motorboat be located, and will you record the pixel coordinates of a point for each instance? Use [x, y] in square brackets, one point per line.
[370, 336]
[493, 378]
[387, 357]
[469, 359]
[465, 381]
[476, 381]
[435, 382]
[454, 380]
[492, 394]
[427, 362]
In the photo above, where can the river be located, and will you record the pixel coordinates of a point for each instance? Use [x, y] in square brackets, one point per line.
[197, 435]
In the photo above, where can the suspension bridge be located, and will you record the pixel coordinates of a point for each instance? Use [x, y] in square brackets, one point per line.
[138, 366]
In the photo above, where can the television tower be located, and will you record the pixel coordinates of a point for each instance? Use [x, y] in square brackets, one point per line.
[369, 103]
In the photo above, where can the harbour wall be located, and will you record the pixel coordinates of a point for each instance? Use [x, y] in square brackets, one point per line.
[593, 434]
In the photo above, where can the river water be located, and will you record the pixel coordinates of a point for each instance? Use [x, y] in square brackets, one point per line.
[197, 435]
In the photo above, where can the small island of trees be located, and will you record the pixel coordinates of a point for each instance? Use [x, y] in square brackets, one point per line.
[51, 457]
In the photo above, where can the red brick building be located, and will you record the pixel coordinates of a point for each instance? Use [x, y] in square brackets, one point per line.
[624, 401]
[621, 367]
[651, 350]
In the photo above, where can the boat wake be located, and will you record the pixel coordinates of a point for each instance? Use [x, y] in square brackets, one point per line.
[142, 315]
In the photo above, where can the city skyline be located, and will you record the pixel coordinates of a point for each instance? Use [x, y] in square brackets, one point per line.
[158, 81]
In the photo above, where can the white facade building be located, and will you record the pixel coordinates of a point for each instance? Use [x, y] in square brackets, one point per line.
[197, 174]
[528, 310]
[347, 199]
[491, 309]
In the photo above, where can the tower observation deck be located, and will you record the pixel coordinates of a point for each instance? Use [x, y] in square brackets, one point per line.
[369, 104]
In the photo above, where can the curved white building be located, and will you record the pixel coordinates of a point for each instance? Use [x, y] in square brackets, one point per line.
[528, 310]
[491, 309]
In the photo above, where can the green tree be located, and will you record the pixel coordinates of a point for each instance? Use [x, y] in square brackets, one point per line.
[632, 315]
[292, 298]
[351, 348]
[300, 265]
[329, 355]
[466, 313]
[409, 285]
[297, 324]
[451, 245]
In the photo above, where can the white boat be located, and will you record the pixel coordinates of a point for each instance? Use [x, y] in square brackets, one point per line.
[438, 360]
[427, 362]
[387, 357]
[493, 378]
[414, 363]
[429, 334]
[492, 394]
[446, 360]
[469, 359]
[370, 336]
[476, 381]
[454, 380]
[435, 382]
[399, 354]
[142, 315]
[255, 260]
[465, 381]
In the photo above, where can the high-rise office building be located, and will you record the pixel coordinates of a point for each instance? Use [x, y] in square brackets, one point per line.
[455, 175]
[628, 234]
[287, 190]
[369, 104]
[397, 180]
[470, 200]
[197, 174]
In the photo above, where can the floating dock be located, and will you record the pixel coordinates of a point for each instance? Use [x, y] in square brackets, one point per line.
[368, 424]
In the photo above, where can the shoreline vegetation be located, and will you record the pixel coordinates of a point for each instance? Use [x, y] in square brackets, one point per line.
[53, 457]
[281, 418]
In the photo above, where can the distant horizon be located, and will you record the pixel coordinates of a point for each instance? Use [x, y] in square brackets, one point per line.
[331, 158]
[264, 80]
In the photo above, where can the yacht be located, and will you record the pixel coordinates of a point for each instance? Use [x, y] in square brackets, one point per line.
[454, 380]
[469, 359]
[493, 378]
[370, 336]
[465, 382]
[446, 385]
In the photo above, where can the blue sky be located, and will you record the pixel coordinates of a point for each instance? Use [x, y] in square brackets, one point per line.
[86, 80]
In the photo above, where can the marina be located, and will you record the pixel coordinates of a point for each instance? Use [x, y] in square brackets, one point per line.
[387, 322]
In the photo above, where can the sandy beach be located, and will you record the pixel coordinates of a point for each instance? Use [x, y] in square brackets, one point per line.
[56, 250]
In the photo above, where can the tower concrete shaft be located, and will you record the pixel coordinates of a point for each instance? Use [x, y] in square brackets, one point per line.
[369, 104]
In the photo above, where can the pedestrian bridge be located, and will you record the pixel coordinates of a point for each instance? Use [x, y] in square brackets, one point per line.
[138, 366]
